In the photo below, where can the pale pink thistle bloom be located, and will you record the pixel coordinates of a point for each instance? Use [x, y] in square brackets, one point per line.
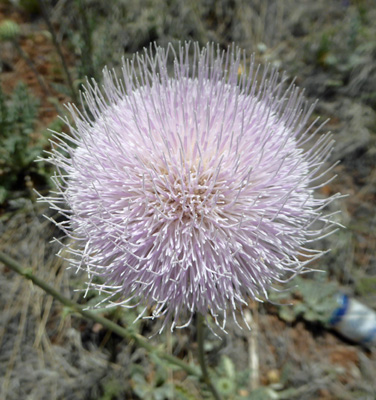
[191, 192]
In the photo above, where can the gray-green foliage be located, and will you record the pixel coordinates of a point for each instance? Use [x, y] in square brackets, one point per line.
[18, 148]
[311, 300]
[101, 32]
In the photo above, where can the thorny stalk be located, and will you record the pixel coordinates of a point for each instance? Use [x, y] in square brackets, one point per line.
[87, 48]
[201, 357]
[44, 9]
[31, 65]
[112, 326]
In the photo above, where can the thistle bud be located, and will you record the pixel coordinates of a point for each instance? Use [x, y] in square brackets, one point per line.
[9, 30]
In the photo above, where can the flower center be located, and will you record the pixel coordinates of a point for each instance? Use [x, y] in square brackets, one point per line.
[186, 197]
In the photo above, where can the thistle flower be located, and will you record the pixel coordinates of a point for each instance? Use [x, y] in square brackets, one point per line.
[190, 191]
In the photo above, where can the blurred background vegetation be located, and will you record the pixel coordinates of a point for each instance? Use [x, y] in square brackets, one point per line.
[47, 51]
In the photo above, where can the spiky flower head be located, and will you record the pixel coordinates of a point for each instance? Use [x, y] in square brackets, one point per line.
[191, 190]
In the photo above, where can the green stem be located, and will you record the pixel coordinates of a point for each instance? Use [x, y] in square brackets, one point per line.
[201, 357]
[123, 332]
[31, 65]
[87, 49]
[44, 9]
